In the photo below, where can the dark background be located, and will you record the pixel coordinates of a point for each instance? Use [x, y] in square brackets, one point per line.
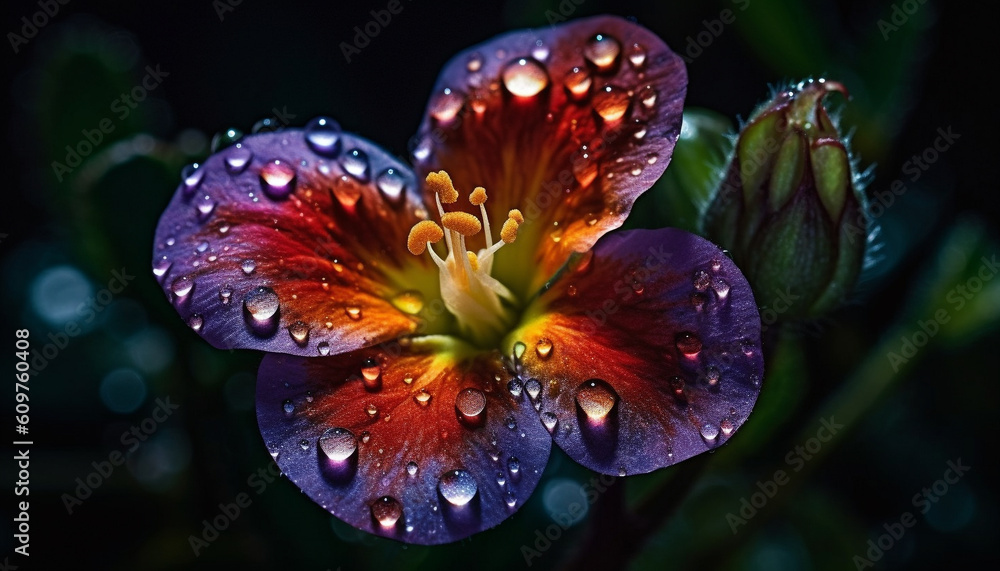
[63, 239]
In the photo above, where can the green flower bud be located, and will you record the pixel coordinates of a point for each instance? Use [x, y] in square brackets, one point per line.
[789, 205]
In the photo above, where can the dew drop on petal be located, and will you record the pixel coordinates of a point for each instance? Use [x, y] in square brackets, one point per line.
[647, 95]
[371, 409]
[225, 294]
[411, 302]
[727, 427]
[470, 402]
[501, 478]
[195, 322]
[688, 344]
[423, 398]
[391, 184]
[192, 175]
[519, 349]
[161, 267]
[514, 386]
[299, 332]
[182, 286]
[712, 376]
[261, 303]
[323, 348]
[748, 347]
[474, 63]
[549, 420]
[371, 371]
[323, 136]
[355, 162]
[458, 487]
[412, 468]
[611, 102]
[238, 159]
[701, 280]
[387, 510]
[721, 287]
[677, 385]
[514, 465]
[446, 105]
[533, 387]
[248, 266]
[709, 431]
[353, 312]
[602, 50]
[338, 444]
[636, 55]
[596, 398]
[525, 77]
[544, 348]
[277, 179]
[698, 301]
[578, 82]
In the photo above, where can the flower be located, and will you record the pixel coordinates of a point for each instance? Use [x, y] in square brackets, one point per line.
[791, 207]
[430, 334]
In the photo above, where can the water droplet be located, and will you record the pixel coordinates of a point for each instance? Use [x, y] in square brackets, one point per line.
[205, 206]
[201, 247]
[338, 444]
[309, 396]
[549, 420]
[578, 82]
[544, 348]
[533, 387]
[261, 303]
[709, 431]
[651, 159]
[392, 184]
[511, 423]
[299, 332]
[161, 267]
[182, 286]
[407, 378]
[636, 55]
[422, 397]
[323, 348]
[622, 472]
[611, 102]
[287, 406]
[475, 63]
[571, 291]
[716, 265]
[409, 302]
[647, 95]
[514, 386]
[458, 487]
[371, 371]
[596, 398]
[514, 465]
[540, 51]
[677, 385]
[698, 301]
[525, 77]
[238, 158]
[195, 322]
[225, 138]
[412, 468]
[721, 287]
[277, 178]
[712, 376]
[519, 349]
[511, 499]
[585, 168]
[365, 436]
[371, 409]
[387, 510]
[501, 478]
[688, 344]
[323, 136]
[225, 294]
[470, 402]
[701, 280]
[748, 347]
[353, 312]
[355, 162]
[602, 50]
[248, 266]
[446, 105]
[727, 427]
[192, 175]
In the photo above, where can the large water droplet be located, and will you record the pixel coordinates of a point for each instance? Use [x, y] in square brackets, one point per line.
[446, 105]
[323, 348]
[514, 465]
[261, 303]
[299, 332]
[355, 162]
[182, 286]
[191, 176]
[578, 82]
[412, 468]
[514, 386]
[596, 398]
[727, 427]
[387, 510]
[391, 184]
[470, 402]
[709, 431]
[544, 348]
[205, 206]
[549, 420]
[238, 158]
[161, 267]
[688, 344]
[287, 406]
[611, 102]
[277, 178]
[248, 266]
[525, 77]
[533, 387]
[721, 287]
[338, 444]
[458, 487]
[423, 398]
[323, 136]
[636, 55]
[647, 96]
[602, 50]
[372, 373]
[195, 322]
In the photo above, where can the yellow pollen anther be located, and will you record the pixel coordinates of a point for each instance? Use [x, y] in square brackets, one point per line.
[508, 233]
[462, 222]
[516, 216]
[478, 196]
[440, 183]
[421, 233]
[473, 261]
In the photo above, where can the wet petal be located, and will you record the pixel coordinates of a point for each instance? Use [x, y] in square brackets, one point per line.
[294, 242]
[569, 123]
[443, 439]
[648, 351]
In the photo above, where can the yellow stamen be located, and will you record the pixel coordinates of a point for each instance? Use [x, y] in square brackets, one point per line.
[478, 196]
[508, 233]
[423, 232]
[516, 216]
[473, 261]
[440, 183]
[461, 222]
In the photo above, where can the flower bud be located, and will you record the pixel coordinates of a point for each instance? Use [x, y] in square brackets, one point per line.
[790, 209]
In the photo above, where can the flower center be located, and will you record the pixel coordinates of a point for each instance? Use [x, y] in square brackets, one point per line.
[469, 292]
